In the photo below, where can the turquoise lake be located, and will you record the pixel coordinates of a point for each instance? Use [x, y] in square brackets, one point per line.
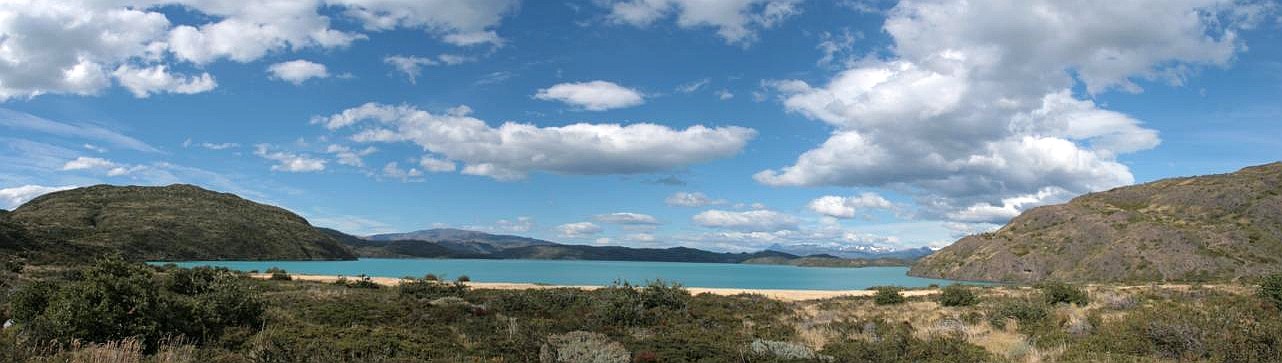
[561, 272]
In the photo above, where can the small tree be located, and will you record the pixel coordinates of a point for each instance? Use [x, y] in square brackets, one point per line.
[1271, 289]
[957, 295]
[888, 296]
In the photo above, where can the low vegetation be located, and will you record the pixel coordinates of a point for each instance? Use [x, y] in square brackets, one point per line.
[126, 312]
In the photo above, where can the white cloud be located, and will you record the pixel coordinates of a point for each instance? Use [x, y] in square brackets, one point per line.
[724, 95]
[627, 218]
[412, 66]
[16, 196]
[640, 237]
[835, 45]
[692, 200]
[512, 150]
[347, 156]
[436, 165]
[847, 207]
[394, 171]
[975, 106]
[219, 146]
[290, 162]
[520, 224]
[143, 82]
[23, 121]
[80, 46]
[108, 167]
[579, 229]
[298, 71]
[693, 86]
[748, 221]
[592, 96]
[736, 21]
[458, 22]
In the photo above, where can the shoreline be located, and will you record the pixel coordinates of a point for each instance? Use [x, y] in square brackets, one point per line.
[777, 294]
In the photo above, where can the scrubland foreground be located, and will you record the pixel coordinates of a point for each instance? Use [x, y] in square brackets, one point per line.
[116, 311]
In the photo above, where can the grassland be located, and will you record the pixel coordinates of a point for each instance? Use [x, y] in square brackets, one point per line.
[219, 316]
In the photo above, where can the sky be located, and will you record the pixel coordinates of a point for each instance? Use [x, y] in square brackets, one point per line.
[729, 125]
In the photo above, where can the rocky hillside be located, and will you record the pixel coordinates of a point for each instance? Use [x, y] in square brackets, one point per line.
[177, 222]
[1203, 228]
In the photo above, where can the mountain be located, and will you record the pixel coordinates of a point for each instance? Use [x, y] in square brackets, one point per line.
[463, 241]
[176, 222]
[852, 252]
[455, 243]
[618, 253]
[1214, 227]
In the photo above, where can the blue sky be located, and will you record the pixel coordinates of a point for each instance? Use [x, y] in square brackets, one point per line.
[728, 125]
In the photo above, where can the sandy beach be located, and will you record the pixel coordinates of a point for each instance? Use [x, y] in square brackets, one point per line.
[783, 295]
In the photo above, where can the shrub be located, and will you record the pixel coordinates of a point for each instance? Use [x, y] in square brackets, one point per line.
[114, 300]
[1059, 292]
[1270, 289]
[897, 343]
[464, 278]
[623, 304]
[1028, 313]
[888, 296]
[957, 295]
[581, 346]
[364, 282]
[431, 289]
[431, 277]
[771, 349]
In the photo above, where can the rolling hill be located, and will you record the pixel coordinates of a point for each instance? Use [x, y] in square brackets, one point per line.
[176, 222]
[1202, 228]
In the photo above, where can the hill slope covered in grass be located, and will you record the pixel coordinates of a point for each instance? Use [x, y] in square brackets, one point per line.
[176, 222]
[1214, 227]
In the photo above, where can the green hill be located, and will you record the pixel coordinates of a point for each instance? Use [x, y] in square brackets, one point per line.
[176, 222]
[1215, 227]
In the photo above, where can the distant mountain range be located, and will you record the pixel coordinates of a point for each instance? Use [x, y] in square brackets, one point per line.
[455, 243]
[1202, 228]
[184, 222]
[852, 252]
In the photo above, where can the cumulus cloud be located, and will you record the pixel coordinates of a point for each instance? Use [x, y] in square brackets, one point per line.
[297, 71]
[976, 105]
[692, 200]
[579, 229]
[345, 155]
[736, 21]
[846, 207]
[592, 96]
[13, 197]
[144, 82]
[437, 165]
[748, 221]
[110, 168]
[512, 150]
[289, 162]
[81, 46]
[627, 218]
[393, 170]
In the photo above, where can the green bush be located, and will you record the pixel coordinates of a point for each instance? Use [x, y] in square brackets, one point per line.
[1270, 289]
[888, 296]
[1059, 292]
[1028, 313]
[890, 342]
[431, 289]
[364, 282]
[114, 300]
[957, 295]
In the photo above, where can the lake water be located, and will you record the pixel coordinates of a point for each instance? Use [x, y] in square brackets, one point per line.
[563, 272]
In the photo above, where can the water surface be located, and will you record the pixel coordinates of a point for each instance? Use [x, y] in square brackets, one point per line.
[563, 272]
